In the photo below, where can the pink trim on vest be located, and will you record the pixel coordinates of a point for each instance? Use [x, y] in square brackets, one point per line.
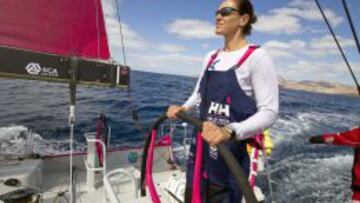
[212, 58]
[248, 52]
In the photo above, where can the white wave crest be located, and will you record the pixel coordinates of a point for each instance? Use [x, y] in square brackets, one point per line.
[20, 140]
[309, 123]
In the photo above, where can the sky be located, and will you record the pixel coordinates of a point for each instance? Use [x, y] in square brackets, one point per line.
[173, 36]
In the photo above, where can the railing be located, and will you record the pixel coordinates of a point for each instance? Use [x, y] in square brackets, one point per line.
[121, 171]
[94, 140]
[185, 140]
[90, 138]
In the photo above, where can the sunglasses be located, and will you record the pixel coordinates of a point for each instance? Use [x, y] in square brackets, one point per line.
[225, 11]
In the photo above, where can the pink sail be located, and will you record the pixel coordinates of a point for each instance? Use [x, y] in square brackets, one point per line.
[61, 27]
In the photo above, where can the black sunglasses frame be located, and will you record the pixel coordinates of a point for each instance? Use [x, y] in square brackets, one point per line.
[226, 11]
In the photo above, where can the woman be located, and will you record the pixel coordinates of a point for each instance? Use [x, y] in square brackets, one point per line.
[237, 95]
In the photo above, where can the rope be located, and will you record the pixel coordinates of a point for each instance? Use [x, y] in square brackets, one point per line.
[121, 33]
[133, 107]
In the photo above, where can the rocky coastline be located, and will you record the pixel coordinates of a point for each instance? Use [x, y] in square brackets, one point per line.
[318, 86]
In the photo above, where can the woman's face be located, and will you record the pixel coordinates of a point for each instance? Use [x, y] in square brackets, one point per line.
[228, 19]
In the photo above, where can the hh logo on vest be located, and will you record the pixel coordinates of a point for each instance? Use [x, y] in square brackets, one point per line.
[219, 109]
[219, 113]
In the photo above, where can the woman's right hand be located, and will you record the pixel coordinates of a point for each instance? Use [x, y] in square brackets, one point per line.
[173, 110]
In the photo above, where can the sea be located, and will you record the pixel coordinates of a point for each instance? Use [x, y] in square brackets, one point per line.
[298, 171]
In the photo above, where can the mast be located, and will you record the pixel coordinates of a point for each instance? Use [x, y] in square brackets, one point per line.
[72, 87]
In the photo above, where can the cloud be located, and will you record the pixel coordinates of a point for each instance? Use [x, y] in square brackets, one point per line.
[335, 71]
[282, 49]
[278, 24]
[132, 40]
[293, 44]
[324, 46]
[318, 59]
[164, 58]
[307, 9]
[191, 29]
[205, 45]
[317, 47]
[279, 53]
[179, 64]
[171, 48]
[288, 19]
[327, 42]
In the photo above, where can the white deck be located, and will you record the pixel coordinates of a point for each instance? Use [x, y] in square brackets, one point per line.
[123, 186]
[50, 176]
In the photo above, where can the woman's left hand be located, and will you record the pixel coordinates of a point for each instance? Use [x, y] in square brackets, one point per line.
[214, 134]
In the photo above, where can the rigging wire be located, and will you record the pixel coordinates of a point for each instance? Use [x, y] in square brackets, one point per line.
[121, 31]
[351, 24]
[339, 47]
[133, 107]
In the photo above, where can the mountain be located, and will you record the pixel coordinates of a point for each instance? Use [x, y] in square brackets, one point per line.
[318, 86]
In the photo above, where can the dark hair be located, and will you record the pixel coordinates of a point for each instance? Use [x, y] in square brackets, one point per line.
[246, 7]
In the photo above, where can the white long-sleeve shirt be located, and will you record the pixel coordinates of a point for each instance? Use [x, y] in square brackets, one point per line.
[257, 78]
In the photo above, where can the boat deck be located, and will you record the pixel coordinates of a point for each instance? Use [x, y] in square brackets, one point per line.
[50, 178]
[123, 187]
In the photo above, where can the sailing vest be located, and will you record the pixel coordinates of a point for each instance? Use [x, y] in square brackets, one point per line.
[222, 102]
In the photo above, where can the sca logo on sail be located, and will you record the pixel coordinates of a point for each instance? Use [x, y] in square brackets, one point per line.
[36, 69]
